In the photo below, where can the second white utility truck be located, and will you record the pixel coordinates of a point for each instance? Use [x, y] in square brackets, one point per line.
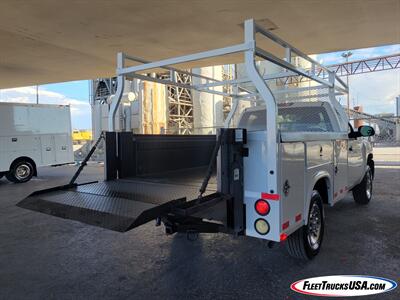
[287, 149]
[32, 136]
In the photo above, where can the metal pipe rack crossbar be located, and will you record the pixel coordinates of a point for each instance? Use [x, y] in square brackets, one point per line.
[290, 69]
[249, 45]
[186, 58]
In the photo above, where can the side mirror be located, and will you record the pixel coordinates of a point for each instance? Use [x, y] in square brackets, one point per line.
[366, 130]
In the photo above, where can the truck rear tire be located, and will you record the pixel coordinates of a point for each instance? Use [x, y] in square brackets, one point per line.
[306, 242]
[362, 192]
[20, 171]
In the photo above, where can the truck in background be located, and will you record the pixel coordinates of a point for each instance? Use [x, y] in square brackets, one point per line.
[32, 136]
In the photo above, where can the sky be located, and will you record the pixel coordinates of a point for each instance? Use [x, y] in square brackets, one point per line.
[73, 93]
[376, 92]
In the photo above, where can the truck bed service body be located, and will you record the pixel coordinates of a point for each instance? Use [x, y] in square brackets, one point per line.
[287, 148]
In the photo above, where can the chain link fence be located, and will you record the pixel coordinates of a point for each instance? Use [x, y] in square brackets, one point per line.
[387, 129]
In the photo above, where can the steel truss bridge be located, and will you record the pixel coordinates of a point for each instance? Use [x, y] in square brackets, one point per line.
[369, 65]
[374, 64]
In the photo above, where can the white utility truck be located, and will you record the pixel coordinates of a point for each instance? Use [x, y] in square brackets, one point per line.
[287, 149]
[32, 136]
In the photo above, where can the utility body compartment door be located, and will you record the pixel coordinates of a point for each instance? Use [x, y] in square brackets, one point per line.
[292, 182]
[13, 147]
[340, 179]
[48, 153]
[356, 162]
[63, 149]
[320, 164]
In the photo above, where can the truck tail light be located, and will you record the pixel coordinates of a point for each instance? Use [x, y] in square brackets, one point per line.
[261, 226]
[262, 207]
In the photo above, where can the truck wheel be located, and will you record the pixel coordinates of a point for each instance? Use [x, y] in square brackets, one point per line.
[362, 192]
[21, 171]
[1, 176]
[306, 242]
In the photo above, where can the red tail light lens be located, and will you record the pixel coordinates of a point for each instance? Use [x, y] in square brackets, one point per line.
[262, 207]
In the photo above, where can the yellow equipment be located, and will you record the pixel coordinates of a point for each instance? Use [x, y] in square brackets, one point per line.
[81, 135]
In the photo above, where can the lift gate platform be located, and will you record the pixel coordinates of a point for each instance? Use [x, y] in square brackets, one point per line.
[119, 205]
[170, 196]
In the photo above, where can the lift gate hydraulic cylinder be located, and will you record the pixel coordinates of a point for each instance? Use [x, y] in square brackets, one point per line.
[230, 168]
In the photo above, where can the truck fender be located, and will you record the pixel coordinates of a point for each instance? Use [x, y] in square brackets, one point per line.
[319, 175]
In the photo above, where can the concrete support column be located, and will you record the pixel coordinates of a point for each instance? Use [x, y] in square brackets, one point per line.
[207, 108]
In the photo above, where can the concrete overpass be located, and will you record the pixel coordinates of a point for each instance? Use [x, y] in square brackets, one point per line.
[43, 41]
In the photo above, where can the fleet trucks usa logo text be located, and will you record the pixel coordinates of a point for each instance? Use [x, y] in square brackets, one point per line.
[343, 286]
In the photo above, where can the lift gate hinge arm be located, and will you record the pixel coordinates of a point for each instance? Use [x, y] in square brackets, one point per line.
[84, 162]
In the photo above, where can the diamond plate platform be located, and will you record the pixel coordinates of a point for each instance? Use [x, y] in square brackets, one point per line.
[118, 205]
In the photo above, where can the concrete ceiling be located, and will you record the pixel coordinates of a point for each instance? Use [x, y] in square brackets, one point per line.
[43, 41]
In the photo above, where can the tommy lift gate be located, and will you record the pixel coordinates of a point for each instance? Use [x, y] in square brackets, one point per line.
[271, 177]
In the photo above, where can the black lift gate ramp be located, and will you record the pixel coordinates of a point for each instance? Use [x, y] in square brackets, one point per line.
[124, 203]
[118, 205]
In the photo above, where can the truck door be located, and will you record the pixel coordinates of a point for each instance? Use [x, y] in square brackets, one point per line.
[48, 151]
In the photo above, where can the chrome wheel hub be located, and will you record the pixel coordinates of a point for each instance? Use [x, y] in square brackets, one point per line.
[22, 172]
[314, 226]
